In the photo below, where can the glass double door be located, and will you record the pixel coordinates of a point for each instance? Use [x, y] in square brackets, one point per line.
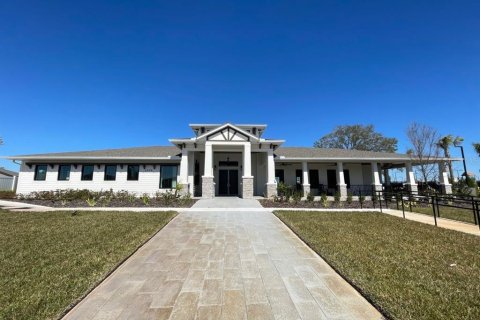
[228, 182]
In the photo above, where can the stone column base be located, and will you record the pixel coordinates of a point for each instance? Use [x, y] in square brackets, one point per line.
[208, 187]
[247, 187]
[377, 187]
[446, 188]
[413, 188]
[342, 188]
[306, 189]
[270, 190]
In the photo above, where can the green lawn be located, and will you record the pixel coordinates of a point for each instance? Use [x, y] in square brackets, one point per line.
[48, 260]
[465, 215]
[408, 269]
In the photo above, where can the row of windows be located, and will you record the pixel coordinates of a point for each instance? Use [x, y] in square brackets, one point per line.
[168, 173]
[313, 177]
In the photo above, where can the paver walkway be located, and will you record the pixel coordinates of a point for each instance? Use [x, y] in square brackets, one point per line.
[224, 265]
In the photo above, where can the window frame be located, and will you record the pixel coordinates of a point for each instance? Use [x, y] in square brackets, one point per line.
[128, 172]
[60, 170]
[35, 176]
[82, 178]
[105, 175]
[174, 178]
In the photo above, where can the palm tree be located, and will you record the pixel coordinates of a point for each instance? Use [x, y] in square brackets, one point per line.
[476, 146]
[445, 143]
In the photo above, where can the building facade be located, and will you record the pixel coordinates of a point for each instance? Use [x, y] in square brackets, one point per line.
[219, 160]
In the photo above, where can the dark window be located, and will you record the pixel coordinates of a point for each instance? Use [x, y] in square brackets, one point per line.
[168, 176]
[87, 172]
[332, 179]
[132, 172]
[40, 172]
[64, 172]
[279, 175]
[346, 176]
[313, 178]
[110, 172]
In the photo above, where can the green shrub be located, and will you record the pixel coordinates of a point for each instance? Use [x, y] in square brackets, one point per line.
[361, 199]
[297, 196]
[349, 198]
[284, 192]
[310, 197]
[91, 202]
[145, 199]
[324, 200]
[337, 197]
[178, 189]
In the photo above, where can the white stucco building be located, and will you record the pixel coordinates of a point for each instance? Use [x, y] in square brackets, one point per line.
[219, 160]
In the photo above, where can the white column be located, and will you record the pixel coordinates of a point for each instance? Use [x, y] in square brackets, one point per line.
[340, 174]
[183, 174]
[342, 187]
[305, 172]
[376, 182]
[247, 160]
[191, 171]
[208, 170]
[411, 184]
[270, 167]
[444, 181]
[14, 183]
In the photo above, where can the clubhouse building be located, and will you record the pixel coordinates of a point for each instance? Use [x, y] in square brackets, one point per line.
[219, 160]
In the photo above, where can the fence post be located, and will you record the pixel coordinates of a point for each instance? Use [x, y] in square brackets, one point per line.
[438, 206]
[433, 206]
[478, 212]
[380, 200]
[410, 199]
[359, 197]
[403, 206]
[474, 211]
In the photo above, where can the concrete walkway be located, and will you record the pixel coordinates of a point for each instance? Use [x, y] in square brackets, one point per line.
[441, 222]
[224, 265]
[227, 203]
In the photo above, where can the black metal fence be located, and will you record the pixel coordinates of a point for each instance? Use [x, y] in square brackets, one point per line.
[456, 207]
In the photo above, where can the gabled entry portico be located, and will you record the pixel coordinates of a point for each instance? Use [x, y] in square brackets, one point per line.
[228, 152]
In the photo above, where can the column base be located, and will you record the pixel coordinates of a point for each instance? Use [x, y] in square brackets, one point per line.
[377, 187]
[342, 188]
[270, 190]
[306, 189]
[446, 188]
[208, 187]
[413, 188]
[247, 187]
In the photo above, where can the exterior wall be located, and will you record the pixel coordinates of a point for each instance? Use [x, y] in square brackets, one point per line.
[148, 180]
[259, 171]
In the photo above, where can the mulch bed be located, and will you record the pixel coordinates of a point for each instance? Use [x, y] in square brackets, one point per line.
[114, 203]
[317, 204]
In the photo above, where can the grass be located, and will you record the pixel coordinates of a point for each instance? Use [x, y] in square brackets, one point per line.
[49, 260]
[407, 269]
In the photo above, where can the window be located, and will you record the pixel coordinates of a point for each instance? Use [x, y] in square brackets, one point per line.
[313, 178]
[279, 175]
[132, 172]
[40, 172]
[64, 172]
[110, 172]
[168, 177]
[87, 172]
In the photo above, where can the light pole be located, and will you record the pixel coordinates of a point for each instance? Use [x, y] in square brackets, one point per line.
[457, 145]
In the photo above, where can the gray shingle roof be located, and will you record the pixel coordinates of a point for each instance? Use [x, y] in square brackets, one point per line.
[305, 152]
[136, 152]
[172, 151]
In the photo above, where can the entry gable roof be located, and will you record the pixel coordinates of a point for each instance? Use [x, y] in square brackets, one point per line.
[226, 127]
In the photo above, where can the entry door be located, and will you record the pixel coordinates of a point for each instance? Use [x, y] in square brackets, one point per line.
[331, 181]
[228, 183]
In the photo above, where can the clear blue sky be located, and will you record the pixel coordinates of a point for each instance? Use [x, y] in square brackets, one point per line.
[105, 74]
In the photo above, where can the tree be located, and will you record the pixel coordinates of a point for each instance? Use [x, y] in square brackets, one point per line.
[476, 146]
[424, 140]
[445, 143]
[357, 137]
